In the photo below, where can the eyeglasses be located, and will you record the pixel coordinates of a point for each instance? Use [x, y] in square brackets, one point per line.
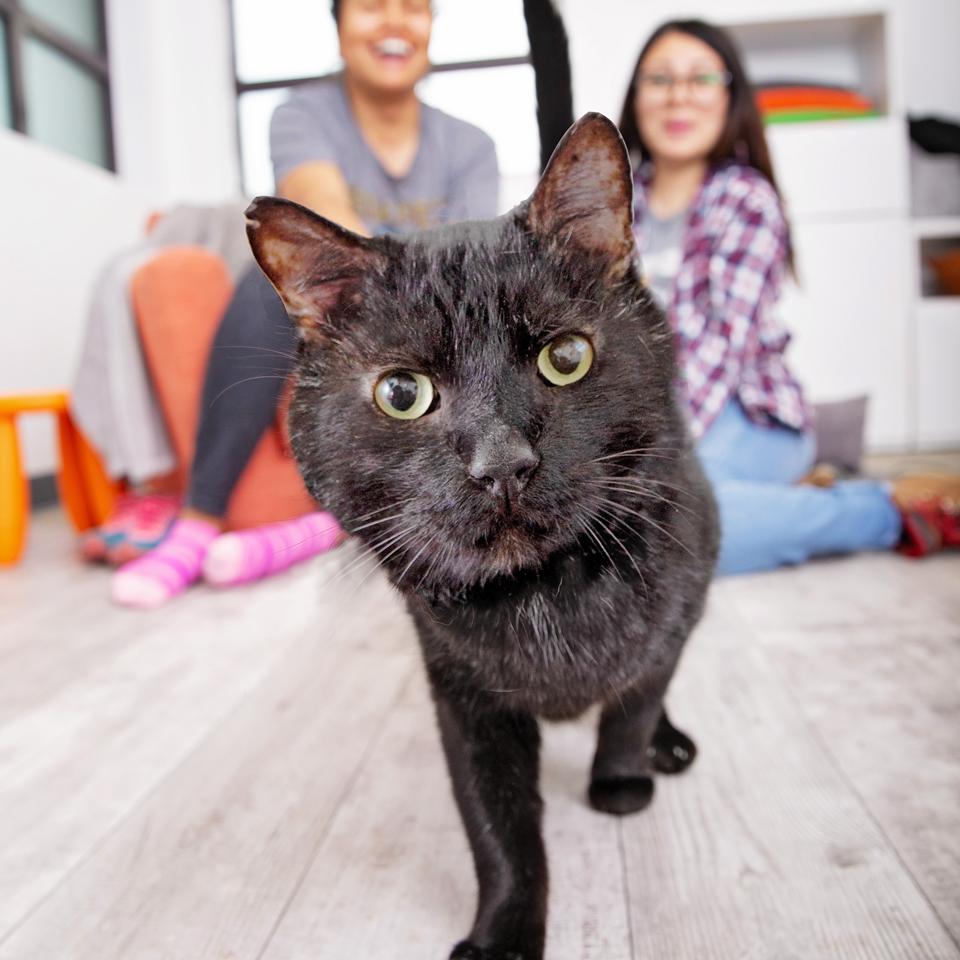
[704, 87]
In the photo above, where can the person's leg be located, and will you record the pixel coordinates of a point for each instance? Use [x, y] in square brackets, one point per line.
[767, 525]
[250, 359]
[736, 448]
[247, 555]
[766, 518]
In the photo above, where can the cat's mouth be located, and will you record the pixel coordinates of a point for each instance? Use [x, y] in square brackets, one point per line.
[508, 545]
[508, 527]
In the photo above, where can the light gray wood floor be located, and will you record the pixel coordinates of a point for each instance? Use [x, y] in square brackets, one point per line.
[255, 774]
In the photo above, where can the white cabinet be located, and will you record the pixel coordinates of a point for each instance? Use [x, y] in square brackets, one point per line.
[938, 361]
[846, 188]
[833, 169]
[936, 329]
[849, 317]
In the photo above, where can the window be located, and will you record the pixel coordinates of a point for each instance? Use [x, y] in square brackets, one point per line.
[54, 76]
[481, 74]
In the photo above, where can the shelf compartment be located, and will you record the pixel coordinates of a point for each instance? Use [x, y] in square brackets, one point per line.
[936, 281]
[848, 51]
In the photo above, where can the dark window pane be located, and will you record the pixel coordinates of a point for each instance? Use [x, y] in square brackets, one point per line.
[6, 111]
[66, 105]
[77, 19]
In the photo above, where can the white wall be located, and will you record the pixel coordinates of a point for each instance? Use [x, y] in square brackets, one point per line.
[62, 219]
[175, 136]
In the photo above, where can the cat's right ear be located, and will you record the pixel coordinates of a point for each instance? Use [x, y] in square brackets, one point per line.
[312, 262]
[585, 195]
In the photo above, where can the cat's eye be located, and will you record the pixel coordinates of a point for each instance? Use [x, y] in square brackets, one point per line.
[565, 360]
[404, 395]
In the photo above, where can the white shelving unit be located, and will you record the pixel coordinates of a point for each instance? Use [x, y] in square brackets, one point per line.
[860, 321]
[846, 188]
[936, 322]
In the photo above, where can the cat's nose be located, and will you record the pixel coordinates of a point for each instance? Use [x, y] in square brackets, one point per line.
[503, 466]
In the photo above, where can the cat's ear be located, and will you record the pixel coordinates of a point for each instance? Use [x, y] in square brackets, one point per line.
[312, 262]
[585, 196]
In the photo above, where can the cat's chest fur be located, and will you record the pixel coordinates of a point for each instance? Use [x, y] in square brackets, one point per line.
[555, 641]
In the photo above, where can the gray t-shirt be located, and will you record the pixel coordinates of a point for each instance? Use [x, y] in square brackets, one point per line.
[454, 175]
[662, 254]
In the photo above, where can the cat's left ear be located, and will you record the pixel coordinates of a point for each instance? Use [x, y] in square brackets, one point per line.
[585, 196]
[312, 262]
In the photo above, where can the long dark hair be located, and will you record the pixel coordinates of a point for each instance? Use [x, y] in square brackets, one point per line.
[742, 139]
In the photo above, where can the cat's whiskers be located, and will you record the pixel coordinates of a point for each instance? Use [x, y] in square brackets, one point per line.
[598, 498]
[430, 539]
[370, 551]
[652, 452]
[645, 493]
[344, 521]
[640, 487]
[320, 533]
[286, 354]
[378, 565]
[445, 548]
[398, 548]
[377, 522]
[590, 515]
[646, 518]
[620, 544]
[237, 383]
[642, 479]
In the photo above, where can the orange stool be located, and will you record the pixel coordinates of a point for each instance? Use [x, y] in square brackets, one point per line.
[85, 490]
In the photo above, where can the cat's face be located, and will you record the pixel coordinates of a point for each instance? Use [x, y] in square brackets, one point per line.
[464, 394]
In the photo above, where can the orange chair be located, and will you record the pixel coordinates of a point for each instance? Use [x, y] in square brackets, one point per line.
[85, 490]
[179, 297]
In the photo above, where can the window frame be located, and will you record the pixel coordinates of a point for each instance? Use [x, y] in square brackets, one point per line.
[242, 87]
[21, 24]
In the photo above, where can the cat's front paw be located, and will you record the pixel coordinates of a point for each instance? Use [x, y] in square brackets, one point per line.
[465, 950]
[671, 750]
[621, 795]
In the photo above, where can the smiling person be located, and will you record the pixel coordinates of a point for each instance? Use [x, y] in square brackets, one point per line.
[715, 247]
[364, 151]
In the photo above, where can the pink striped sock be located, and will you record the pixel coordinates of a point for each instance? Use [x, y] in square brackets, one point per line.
[247, 555]
[168, 569]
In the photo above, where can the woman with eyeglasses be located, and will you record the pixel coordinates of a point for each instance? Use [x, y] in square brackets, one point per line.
[715, 247]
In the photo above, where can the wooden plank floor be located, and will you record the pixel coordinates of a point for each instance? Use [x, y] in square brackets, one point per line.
[255, 775]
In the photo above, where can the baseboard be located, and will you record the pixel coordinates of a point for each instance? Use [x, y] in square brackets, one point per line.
[43, 491]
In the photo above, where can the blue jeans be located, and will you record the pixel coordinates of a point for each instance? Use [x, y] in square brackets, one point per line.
[766, 520]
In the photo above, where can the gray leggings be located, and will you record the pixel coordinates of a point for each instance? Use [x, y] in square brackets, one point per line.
[252, 355]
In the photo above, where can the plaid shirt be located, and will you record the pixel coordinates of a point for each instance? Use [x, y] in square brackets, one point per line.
[729, 339]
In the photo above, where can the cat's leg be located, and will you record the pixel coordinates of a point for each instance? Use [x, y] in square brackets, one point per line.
[671, 750]
[621, 781]
[493, 758]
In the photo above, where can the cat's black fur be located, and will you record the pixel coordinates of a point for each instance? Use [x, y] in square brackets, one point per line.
[554, 543]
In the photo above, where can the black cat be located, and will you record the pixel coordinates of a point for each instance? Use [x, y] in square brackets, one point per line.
[490, 408]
